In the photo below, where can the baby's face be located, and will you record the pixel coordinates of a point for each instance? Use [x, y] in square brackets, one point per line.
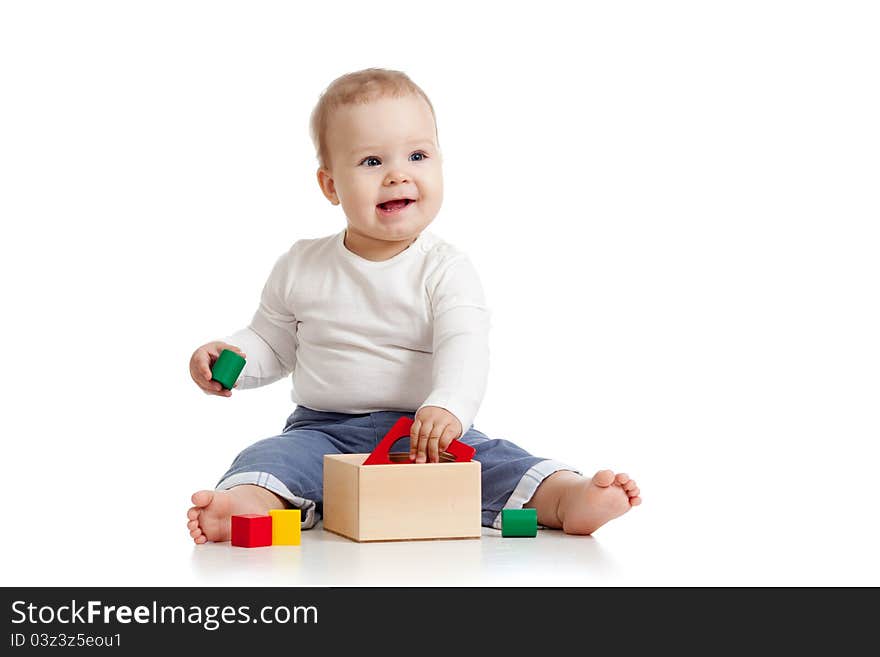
[382, 151]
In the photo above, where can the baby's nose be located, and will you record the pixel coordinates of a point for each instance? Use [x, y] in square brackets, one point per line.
[398, 176]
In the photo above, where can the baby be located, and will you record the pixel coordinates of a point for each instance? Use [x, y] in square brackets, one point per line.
[381, 320]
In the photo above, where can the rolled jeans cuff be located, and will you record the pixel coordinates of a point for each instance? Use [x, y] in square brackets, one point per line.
[272, 483]
[529, 483]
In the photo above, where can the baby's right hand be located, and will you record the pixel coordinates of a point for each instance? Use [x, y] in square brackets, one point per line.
[203, 360]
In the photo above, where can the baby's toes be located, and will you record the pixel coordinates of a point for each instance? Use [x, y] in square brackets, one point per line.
[621, 479]
[635, 501]
[193, 513]
[631, 488]
[192, 524]
[195, 533]
[202, 498]
[603, 478]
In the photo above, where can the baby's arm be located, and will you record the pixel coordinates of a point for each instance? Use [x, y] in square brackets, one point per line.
[270, 339]
[461, 341]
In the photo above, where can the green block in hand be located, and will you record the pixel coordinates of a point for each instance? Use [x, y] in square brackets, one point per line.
[227, 368]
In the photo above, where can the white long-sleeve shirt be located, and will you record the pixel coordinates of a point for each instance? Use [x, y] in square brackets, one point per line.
[361, 336]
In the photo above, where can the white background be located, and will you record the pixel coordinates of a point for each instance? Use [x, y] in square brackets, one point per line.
[673, 206]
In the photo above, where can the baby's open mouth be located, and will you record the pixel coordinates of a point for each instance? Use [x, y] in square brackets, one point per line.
[390, 206]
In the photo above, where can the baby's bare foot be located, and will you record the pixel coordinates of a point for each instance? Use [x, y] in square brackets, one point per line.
[590, 503]
[209, 518]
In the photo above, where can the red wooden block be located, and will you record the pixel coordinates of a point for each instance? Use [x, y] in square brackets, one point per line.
[251, 530]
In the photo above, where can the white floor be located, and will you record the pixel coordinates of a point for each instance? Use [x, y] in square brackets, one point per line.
[663, 543]
[326, 559]
[623, 556]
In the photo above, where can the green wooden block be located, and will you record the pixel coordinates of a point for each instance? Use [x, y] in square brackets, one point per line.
[227, 368]
[519, 522]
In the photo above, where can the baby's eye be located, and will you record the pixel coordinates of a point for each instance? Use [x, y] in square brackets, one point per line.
[369, 159]
[419, 156]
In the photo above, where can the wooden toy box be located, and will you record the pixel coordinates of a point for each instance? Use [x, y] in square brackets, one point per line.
[383, 497]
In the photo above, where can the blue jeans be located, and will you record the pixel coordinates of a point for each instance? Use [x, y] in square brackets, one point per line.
[291, 464]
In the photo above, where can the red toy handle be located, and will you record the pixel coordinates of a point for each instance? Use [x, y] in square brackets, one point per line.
[401, 429]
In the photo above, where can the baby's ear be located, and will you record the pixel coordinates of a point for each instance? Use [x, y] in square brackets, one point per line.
[328, 187]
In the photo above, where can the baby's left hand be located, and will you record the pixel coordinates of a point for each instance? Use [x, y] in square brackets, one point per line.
[432, 430]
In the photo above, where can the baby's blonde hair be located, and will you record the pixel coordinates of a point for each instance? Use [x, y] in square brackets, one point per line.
[359, 87]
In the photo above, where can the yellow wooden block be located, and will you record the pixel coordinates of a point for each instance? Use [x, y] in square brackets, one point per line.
[285, 526]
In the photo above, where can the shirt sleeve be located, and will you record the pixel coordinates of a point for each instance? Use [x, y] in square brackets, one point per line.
[269, 341]
[460, 368]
